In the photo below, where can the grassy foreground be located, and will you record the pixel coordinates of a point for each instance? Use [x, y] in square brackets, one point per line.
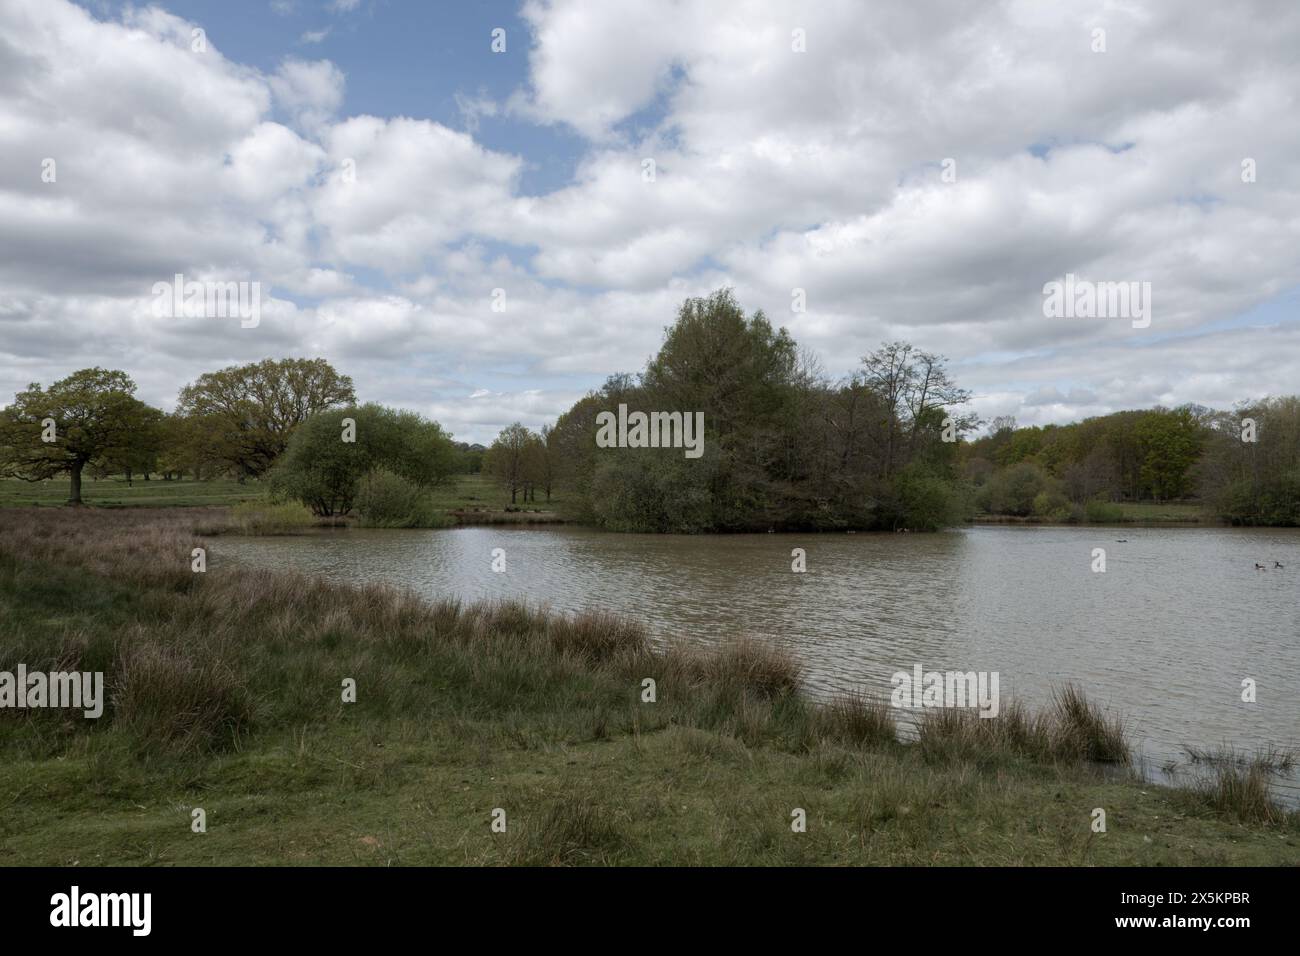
[226, 695]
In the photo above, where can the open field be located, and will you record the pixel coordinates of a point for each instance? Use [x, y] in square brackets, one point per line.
[1166, 512]
[116, 493]
[478, 497]
[225, 695]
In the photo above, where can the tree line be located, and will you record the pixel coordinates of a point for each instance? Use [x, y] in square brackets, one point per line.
[1242, 465]
[294, 423]
[886, 447]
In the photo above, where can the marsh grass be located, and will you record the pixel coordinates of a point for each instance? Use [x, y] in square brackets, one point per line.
[1238, 784]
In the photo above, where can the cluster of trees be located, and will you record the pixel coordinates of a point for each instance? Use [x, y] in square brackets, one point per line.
[1243, 465]
[784, 447]
[236, 421]
[279, 420]
[523, 461]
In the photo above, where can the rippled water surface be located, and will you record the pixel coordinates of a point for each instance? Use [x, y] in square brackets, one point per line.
[1165, 635]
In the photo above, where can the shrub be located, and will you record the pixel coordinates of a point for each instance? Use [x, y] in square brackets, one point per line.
[325, 473]
[387, 500]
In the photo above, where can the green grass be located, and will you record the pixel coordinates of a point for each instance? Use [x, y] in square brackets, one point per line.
[115, 493]
[459, 493]
[226, 696]
[479, 491]
[1150, 511]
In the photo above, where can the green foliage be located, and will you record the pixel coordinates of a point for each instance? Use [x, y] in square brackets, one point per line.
[1052, 505]
[784, 448]
[247, 414]
[324, 471]
[388, 500]
[97, 422]
[928, 502]
[267, 517]
[1256, 482]
[1013, 490]
[1103, 512]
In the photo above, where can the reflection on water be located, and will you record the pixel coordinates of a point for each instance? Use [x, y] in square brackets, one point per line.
[1165, 636]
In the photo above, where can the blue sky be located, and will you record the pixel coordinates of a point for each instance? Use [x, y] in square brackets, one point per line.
[818, 169]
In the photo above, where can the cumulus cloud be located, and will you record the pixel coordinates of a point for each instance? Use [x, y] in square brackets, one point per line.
[919, 173]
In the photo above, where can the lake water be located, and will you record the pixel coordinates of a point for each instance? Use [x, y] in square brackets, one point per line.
[1165, 636]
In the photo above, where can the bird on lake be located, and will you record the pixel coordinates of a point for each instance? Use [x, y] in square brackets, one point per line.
[1260, 567]
[1277, 565]
[1121, 540]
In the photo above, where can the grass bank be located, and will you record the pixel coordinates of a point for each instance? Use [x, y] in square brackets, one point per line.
[226, 695]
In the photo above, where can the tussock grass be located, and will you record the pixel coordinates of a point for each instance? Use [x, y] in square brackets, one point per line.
[1071, 730]
[164, 697]
[571, 830]
[1237, 784]
[858, 721]
[1086, 729]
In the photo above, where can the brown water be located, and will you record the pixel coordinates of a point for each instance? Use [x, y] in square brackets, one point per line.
[1165, 636]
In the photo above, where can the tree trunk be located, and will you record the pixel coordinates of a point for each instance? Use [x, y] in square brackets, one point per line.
[74, 494]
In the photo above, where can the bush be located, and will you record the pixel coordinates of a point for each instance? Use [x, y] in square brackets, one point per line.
[324, 472]
[929, 503]
[1013, 490]
[386, 500]
[1052, 505]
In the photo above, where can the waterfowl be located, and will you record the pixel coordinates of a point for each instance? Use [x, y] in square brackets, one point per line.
[1260, 567]
[1277, 565]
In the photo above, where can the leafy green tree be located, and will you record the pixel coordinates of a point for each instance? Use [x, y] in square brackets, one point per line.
[250, 411]
[323, 469]
[93, 414]
[1170, 443]
[510, 458]
[139, 451]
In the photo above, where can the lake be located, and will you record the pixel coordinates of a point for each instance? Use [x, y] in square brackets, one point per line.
[1165, 635]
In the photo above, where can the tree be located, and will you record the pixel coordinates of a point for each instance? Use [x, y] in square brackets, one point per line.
[911, 383]
[323, 469]
[251, 411]
[507, 459]
[139, 452]
[90, 415]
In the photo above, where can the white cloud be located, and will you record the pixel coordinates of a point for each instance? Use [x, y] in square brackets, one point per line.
[774, 170]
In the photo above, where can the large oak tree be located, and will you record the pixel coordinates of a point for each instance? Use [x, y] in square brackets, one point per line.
[249, 412]
[90, 418]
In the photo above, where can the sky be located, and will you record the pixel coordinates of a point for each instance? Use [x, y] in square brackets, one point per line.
[471, 232]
